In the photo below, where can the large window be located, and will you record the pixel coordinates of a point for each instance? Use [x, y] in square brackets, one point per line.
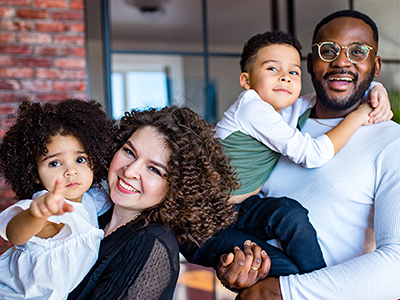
[143, 81]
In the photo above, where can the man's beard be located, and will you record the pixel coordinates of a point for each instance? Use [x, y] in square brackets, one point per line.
[341, 103]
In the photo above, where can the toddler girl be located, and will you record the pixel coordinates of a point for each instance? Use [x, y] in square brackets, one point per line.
[56, 154]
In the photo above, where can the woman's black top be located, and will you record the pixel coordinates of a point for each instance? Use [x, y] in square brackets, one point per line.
[133, 263]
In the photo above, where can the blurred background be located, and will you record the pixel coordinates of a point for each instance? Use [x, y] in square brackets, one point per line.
[151, 53]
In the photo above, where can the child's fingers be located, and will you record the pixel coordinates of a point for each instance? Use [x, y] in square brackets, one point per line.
[378, 95]
[381, 113]
[374, 99]
[36, 211]
[55, 201]
[379, 109]
[379, 99]
[67, 207]
[58, 189]
[51, 204]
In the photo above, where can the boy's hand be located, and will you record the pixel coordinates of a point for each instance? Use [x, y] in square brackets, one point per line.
[52, 203]
[362, 113]
[243, 269]
[380, 102]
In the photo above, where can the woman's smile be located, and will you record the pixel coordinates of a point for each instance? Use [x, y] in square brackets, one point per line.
[125, 187]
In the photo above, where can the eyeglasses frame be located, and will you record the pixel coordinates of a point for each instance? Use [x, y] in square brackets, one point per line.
[342, 47]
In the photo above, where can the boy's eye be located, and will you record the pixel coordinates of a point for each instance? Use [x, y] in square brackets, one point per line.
[54, 164]
[294, 73]
[81, 160]
[272, 69]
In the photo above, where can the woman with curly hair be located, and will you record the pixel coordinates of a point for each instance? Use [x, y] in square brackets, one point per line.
[169, 182]
[57, 154]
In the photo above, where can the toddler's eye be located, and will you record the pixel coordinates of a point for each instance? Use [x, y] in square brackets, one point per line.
[81, 160]
[294, 73]
[54, 164]
[272, 69]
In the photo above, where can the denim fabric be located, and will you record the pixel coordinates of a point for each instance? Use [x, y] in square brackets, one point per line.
[259, 220]
[223, 242]
[286, 220]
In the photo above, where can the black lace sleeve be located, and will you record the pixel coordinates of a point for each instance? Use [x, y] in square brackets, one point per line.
[142, 266]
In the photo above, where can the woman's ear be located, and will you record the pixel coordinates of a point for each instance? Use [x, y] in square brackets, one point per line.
[244, 80]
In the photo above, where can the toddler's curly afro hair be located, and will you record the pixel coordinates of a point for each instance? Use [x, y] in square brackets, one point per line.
[34, 126]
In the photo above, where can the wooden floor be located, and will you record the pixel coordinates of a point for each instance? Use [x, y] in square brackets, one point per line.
[199, 283]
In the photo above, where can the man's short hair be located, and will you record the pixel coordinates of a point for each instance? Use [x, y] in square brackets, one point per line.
[261, 40]
[347, 13]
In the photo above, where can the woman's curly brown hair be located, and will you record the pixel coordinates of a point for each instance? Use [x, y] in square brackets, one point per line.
[34, 126]
[199, 174]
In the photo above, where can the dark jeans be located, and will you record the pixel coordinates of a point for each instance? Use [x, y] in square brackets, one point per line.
[262, 219]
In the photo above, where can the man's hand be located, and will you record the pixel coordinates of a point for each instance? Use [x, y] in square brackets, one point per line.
[268, 288]
[243, 269]
[380, 102]
[51, 203]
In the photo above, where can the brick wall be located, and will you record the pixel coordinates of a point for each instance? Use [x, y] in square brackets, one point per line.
[42, 58]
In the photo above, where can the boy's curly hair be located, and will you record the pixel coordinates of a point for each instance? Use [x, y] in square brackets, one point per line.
[261, 40]
[199, 174]
[34, 126]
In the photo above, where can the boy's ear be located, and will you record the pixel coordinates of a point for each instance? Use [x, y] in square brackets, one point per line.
[244, 80]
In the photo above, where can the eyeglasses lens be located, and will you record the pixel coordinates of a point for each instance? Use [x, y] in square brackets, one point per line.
[356, 53]
[329, 51]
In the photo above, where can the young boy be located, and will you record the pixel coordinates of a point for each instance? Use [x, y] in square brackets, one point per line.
[253, 130]
[254, 134]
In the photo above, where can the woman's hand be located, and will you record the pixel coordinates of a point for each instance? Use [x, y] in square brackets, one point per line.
[242, 269]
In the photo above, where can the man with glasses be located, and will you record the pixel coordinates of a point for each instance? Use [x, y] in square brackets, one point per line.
[353, 196]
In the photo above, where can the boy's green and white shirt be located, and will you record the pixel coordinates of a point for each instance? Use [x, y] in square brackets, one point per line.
[254, 135]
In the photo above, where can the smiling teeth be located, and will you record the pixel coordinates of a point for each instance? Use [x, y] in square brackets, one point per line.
[127, 187]
[342, 79]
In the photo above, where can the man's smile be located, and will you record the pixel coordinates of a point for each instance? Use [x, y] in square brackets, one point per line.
[340, 80]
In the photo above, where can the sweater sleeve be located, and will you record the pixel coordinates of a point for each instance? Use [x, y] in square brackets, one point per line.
[374, 275]
[259, 120]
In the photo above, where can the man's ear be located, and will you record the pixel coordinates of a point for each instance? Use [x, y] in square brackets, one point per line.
[378, 65]
[244, 80]
[309, 62]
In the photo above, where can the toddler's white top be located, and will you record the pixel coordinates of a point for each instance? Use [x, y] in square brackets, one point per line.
[51, 268]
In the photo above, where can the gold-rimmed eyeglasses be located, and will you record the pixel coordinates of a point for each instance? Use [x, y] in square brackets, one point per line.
[356, 53]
